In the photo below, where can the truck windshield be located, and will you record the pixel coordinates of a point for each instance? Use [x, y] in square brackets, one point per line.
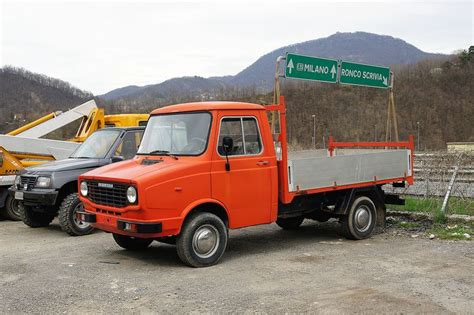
[97, 145]
[176, 134]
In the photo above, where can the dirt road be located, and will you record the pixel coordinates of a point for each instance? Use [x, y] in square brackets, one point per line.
[264, 270]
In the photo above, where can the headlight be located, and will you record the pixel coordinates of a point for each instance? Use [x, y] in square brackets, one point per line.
[43, 182]
[84, 189]
[131, 194]
[17, 180]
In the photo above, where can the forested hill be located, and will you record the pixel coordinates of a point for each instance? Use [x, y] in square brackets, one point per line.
[358, 47]
[434, 98]
[25, 96]
[433, 95]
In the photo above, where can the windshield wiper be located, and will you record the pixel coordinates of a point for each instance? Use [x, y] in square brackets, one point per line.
[163, 152]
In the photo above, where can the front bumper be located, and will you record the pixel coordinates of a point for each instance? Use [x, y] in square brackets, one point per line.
[123, 225]
[43, 197]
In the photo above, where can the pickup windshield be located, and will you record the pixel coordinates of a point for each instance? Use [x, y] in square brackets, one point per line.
[176, 134]
[97, 145]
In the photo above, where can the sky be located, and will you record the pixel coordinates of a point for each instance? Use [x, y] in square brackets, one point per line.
[102, 45]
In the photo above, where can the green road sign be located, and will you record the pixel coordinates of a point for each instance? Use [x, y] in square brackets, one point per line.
[366, 75]
[311, 68]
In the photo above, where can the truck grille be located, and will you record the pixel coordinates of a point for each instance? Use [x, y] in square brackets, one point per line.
[29, 181]
[108, 194]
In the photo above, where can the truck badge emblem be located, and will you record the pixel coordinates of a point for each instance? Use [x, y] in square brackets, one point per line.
[105, 185]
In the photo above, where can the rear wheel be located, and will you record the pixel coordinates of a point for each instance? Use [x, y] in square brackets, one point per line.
[290, 223]
[12, 211]
[33, 218]
[359, 223]
[202, 241]
[132, 243]
[68, 216]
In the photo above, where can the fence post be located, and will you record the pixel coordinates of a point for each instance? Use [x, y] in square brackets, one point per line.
[450, 188]
[426, 177]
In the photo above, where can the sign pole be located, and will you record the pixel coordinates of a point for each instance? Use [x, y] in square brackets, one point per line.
[391, 114]
[394, 112]
[276, 93]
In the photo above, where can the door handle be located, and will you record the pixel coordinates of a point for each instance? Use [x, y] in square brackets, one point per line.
[262, 163]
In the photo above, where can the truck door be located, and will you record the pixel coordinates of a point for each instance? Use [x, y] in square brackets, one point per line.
[245, 189]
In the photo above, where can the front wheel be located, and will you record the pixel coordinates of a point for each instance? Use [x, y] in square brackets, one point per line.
[33, 218]
[12, 210]
[68, 219]
[202, 240]
[132, 243]
[359, 223]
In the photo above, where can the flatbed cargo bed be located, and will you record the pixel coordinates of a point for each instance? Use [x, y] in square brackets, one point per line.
[317, 169]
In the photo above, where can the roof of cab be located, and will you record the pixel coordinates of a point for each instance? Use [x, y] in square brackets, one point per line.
[199, 106]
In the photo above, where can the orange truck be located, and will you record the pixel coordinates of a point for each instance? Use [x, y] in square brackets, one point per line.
[204, 168]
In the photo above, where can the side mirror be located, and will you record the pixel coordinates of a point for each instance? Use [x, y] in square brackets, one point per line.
[117, 158]
[227, 146]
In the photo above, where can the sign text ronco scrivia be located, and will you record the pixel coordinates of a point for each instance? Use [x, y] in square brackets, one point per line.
[326, 70]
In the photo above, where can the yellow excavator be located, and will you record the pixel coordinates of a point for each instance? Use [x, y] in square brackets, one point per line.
[25, 146]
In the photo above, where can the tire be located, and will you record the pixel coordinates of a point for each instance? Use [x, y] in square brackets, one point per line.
[32, 218]
[202, 241]
[360, 222]
[12, 211]
[132, 243]
[67, 217]
[290, 223]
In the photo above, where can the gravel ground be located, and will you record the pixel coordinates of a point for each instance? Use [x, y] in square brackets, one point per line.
[264, 270]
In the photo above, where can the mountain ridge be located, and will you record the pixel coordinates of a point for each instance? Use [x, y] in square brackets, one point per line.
[363, 47]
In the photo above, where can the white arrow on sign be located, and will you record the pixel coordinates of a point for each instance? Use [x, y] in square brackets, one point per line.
[385, 81]
[333, 71]
[290, 66]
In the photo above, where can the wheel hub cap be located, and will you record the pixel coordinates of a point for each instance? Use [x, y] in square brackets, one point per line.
[362, 218]
[206, 241]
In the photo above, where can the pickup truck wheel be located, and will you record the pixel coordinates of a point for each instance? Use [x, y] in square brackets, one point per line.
[202, 241]
[32, 218]
[12, 211]
[132, 243]
[68, 217]
[359, 223]
[290, 223]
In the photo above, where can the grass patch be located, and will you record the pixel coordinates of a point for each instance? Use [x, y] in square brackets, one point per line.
[453, 232]
[433, 205]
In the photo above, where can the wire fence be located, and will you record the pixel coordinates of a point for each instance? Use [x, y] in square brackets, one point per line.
[433, 173]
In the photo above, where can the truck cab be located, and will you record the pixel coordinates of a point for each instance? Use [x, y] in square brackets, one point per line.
[50, 189]
[204, 168]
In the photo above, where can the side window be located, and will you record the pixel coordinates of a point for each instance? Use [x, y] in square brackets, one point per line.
[245, 134]
[129, 146]
[232, 127]
[251, 136]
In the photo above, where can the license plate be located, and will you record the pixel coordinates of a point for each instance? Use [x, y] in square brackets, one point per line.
[19, 195]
